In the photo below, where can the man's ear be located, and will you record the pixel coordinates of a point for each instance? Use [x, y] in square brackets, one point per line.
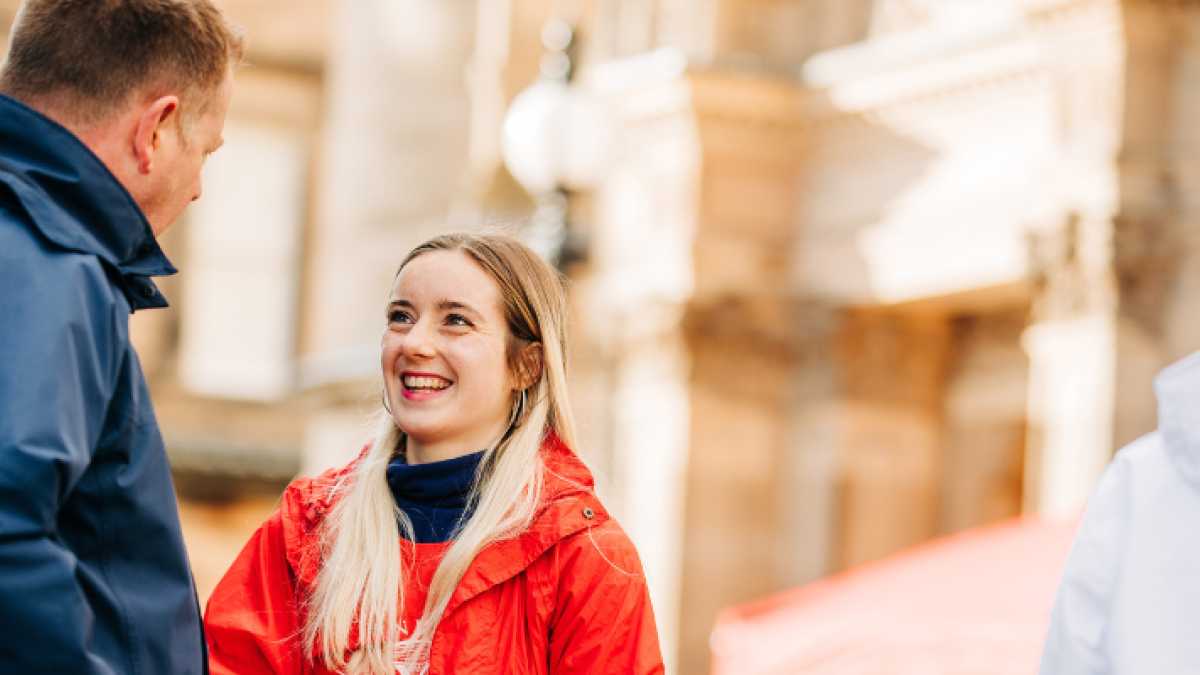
[158, 116]
[529, 366]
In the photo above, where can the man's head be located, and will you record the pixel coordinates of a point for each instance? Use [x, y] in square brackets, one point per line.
[145, 84]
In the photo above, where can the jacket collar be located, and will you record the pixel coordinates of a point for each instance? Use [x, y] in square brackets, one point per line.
[1178, 391]
[569, 506]
[72, 198]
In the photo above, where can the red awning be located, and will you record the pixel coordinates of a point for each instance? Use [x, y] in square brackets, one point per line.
[975, 603]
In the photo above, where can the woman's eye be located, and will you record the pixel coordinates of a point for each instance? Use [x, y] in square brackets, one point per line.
[457, 320]
[398, 316]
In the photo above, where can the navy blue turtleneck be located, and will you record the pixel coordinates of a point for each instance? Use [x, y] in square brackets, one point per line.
[434, 495]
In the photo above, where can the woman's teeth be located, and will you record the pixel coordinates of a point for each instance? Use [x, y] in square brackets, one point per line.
[412, 382]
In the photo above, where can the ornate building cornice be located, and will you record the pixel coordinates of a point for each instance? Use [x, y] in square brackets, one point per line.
[1005, 61]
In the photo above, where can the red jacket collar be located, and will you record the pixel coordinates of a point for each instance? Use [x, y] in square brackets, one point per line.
[569, 505]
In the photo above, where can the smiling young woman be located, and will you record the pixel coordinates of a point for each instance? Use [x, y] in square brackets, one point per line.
[467, 537]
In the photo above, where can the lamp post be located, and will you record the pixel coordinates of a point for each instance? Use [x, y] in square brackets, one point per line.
[555, 138]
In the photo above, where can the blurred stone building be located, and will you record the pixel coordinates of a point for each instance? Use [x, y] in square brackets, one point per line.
[857, 273]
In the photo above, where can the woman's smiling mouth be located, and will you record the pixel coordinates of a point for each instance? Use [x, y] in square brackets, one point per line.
[423, 385]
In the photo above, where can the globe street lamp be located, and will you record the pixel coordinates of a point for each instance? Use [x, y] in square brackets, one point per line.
[555, 138]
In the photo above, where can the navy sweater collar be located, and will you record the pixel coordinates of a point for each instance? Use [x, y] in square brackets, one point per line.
[433, 496]
[71, 196]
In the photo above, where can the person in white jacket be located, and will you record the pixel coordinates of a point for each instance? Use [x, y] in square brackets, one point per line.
[1129, 600]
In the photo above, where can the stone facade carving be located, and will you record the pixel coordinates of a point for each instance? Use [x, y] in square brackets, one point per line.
[891, 17]
[1147, 253]
[1065, 285]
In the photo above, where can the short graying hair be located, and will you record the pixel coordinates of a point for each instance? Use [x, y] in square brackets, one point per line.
[92, 58]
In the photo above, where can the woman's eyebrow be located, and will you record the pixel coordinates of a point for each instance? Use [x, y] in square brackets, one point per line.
[443, 305]
[447, 305]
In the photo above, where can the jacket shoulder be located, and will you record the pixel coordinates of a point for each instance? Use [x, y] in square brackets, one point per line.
[303, 507]
[1141, 450]
[296, 522]
[1145, 461]
[601, 617]
[587, 532]
[602, 549]
[47, 272]
[308, 499]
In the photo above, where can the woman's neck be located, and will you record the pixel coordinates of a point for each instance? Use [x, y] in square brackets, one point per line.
[416, 452]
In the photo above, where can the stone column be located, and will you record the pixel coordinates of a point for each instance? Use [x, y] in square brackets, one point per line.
[631, 299]
[688, 296]
[1155, 249]
[812, 448]
[1073, 344]
[742, 337]
[396, 133]
[1072, 364]
[1073, 359]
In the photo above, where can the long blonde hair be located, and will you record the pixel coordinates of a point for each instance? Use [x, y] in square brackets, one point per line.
[361, 574]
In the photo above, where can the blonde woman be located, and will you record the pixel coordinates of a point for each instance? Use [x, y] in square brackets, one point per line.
[467, 537]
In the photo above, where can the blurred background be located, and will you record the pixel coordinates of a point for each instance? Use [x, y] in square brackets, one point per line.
[846, 275]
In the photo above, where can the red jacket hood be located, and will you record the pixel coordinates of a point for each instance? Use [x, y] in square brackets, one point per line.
[568, 505]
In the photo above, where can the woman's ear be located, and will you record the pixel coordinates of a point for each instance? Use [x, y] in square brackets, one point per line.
[529, 366]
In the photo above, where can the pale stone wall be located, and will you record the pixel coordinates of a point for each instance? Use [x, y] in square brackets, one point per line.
[740, 338]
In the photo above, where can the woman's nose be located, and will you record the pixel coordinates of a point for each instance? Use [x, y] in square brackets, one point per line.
[419, 342]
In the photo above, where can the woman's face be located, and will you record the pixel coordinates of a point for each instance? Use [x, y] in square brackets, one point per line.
[445, 369]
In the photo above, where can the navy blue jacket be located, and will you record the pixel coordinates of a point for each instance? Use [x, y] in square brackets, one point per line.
[93, 573]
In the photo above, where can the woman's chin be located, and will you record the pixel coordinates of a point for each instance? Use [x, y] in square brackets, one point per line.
[421, 433]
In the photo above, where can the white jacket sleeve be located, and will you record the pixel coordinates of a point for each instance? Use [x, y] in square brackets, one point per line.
[1076, 643]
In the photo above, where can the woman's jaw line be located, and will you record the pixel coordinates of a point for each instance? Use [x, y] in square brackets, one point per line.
[437, 450]
[420, 453]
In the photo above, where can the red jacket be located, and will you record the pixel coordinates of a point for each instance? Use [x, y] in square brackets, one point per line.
[567, 596]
